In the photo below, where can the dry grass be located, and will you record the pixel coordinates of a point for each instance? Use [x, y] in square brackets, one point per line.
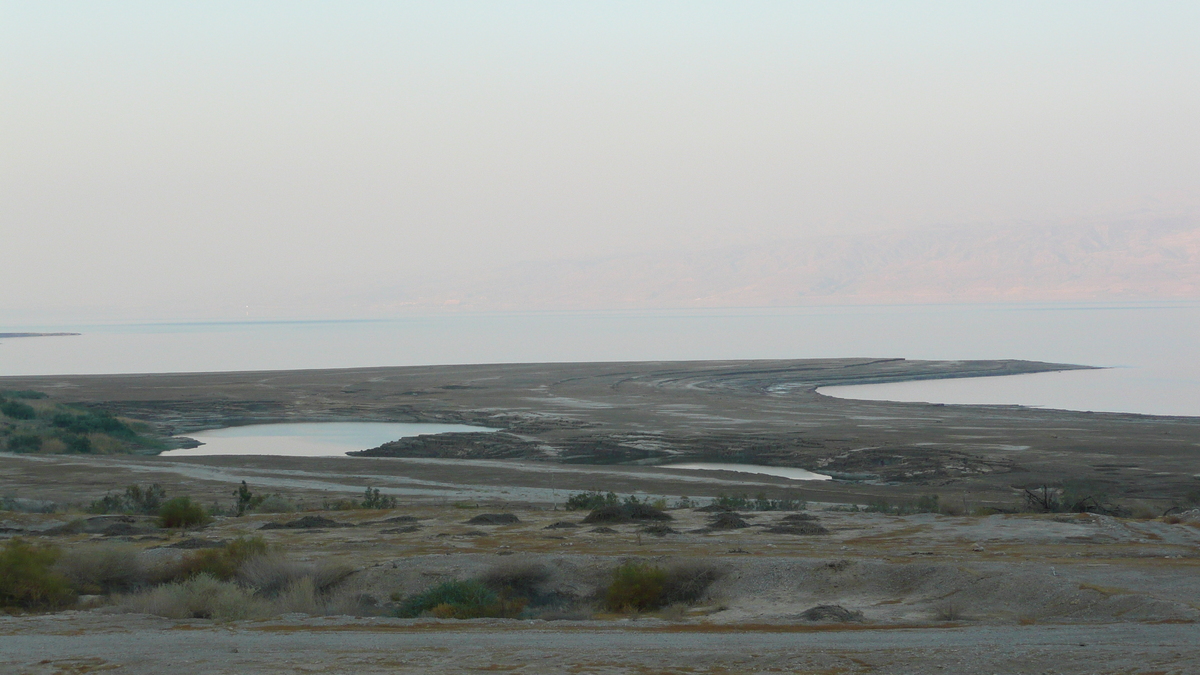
[102, 568]
[201, 597]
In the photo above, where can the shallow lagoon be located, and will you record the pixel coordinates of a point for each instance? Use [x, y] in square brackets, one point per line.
[309, 439]
[780, 471]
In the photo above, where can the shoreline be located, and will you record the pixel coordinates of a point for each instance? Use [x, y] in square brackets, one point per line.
[765, 412]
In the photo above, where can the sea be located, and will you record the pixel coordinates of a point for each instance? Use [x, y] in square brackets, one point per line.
[1149, 352]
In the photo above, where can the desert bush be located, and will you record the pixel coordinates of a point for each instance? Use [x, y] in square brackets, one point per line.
[77, 444]
[92, 422]
[106, 568]
[270, 574]
[222, 563]
[246, 500]
[373, 499]
[636, 587]
[760, 502]
[18, 410]
[201, 597]
[25, 394]
[624, 513]
[517, 580]
[28, 579]
[461, 600]
[276, 503]
[591, 500]
[24, 443]
[181, 512]
[136, 499]
[923, 504]
[686, 582]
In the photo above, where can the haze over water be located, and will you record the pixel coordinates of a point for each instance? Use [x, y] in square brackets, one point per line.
[1149, 348]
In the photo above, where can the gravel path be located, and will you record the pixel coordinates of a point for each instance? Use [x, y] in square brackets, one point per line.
[150, 645]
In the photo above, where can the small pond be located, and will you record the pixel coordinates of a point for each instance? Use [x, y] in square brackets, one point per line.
[309, 439]
[781, 471]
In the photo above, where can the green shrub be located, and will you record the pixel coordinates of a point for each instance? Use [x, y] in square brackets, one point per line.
[636, 587]
[760, 502]
[24, 443]
[181, 512]
[461, 600]
[222, 563]
[92, 422]
[246, 500]
[18, 410]
[25, 394]
[27, 577]
[924, 504]
[77, 444]
[372, 499]
[136, 499]
[591, 500]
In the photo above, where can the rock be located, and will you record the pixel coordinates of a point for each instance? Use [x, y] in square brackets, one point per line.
[561, 525]
[603, 530]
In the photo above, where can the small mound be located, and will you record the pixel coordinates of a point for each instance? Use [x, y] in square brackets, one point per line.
[123, 530]
[401, 530]
[659, 530]
[801, 528]
[305, 523]
[194, 543]
[798, 518]
[400, 519]
[714, 508]
[603, 530]
[831, 613]
[561, 525]
[625, 513]
[727, 521]
[493, 519]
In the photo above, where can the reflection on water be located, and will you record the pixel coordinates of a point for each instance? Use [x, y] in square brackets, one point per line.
[309, 439]
[1165, 390]
[781, 471]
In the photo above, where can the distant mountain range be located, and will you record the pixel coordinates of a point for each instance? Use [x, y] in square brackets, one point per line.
[1133, 260]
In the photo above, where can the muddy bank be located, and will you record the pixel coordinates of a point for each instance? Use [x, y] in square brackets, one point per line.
[631, 414]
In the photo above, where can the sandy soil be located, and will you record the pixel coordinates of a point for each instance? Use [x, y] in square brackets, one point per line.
[1015, 593]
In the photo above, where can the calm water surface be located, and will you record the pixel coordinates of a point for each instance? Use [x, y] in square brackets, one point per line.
[781, 471]
[315, 439]
[1152, 350]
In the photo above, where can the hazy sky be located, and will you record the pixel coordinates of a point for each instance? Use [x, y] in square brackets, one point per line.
[160, 155]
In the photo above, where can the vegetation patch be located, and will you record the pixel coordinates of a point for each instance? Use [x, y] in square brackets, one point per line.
[759, 502]
[28, 579]
[628, 512]
[135, 500]
[182, 512]
[471, 599]
[638, 586]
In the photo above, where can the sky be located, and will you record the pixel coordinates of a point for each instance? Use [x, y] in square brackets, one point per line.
[220, 159]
